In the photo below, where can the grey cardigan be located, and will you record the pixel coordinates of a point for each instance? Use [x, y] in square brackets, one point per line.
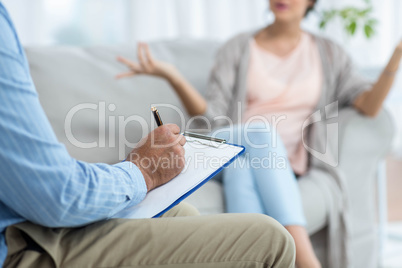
[226, 95]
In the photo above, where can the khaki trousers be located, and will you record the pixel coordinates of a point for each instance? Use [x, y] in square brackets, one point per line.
[178, 239]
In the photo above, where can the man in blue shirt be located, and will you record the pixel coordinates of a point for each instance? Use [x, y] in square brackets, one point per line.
[54, 210]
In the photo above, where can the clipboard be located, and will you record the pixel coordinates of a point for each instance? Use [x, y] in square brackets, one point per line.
[205, 158]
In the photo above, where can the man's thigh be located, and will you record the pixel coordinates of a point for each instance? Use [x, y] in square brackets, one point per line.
[242, 240]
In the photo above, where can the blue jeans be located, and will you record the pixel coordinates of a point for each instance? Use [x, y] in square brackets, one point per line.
[262, 180]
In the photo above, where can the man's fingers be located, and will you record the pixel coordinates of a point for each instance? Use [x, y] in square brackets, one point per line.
[124, 75]
[182, 140]
[173, 128]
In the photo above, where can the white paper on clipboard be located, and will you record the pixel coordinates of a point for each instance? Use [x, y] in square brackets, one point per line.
[204, 159]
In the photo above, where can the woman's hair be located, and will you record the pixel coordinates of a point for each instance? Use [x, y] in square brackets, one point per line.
[311, 8]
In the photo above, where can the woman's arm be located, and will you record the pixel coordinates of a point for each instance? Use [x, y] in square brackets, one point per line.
[194, 103]
[370, 102]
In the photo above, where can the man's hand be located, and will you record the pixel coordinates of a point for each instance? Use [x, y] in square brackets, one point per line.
[160, 155]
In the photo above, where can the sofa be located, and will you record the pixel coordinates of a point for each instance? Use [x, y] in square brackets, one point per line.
[90, 112]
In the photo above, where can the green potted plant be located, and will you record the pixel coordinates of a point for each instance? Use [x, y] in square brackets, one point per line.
[352, 18]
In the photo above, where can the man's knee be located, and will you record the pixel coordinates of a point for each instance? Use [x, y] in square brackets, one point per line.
[182, 210]
[273, 239]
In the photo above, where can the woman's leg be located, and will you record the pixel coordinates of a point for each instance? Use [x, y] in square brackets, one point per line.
[278, 189]
[240, 190]
[274, 185]
[305, 256]
[266, 175]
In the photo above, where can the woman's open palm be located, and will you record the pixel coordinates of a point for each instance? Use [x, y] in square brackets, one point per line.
[193, 101]
[146, 65]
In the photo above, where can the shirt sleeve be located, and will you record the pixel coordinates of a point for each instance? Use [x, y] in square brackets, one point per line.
[349, 82]
[39, 180]
[220, 89]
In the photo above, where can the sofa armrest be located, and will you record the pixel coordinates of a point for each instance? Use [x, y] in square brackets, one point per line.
[363, 143]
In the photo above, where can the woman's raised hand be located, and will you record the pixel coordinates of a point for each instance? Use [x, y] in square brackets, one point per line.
[193, 101]
[146, 65]
[399, 46]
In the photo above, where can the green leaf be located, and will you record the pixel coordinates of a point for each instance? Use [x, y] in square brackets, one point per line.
[368, 30]
[351, 28]
[323, 23]
[344, 13]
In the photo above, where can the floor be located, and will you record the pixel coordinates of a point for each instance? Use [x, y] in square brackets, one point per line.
[394, 188]
[392, 255]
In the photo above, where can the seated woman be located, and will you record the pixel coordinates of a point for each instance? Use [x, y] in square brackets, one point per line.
[279, 70]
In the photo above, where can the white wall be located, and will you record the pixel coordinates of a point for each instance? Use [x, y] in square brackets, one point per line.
[89, 22]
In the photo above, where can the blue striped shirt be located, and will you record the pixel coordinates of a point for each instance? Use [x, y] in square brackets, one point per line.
[39, 181]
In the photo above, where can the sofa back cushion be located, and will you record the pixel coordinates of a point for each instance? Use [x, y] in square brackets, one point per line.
[77, 88]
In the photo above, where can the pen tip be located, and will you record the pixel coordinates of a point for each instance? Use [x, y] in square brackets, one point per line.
[153, 109]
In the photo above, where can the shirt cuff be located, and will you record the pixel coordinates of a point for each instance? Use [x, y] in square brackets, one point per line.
[137, 179]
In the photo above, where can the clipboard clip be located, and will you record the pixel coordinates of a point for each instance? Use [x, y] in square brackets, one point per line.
[203, 137]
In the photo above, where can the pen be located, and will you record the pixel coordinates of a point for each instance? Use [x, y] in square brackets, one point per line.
[203, 137]
[157, 116]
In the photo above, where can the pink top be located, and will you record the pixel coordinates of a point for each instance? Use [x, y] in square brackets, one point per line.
[288, 89]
